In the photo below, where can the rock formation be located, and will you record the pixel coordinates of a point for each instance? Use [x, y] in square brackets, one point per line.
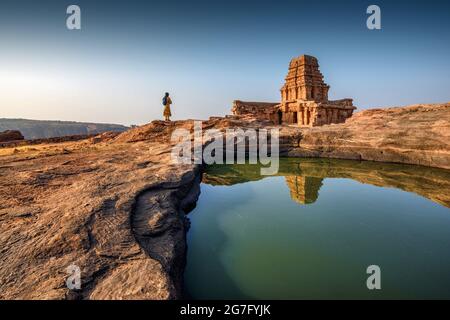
[115, 205]
[418, 134]
[79, 203]
[18, 143]
[11, 135]
[304, 99]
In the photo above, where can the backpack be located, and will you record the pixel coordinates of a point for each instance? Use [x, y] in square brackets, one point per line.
[164, 101]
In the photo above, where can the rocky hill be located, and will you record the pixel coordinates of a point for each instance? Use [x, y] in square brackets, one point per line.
[41, 129]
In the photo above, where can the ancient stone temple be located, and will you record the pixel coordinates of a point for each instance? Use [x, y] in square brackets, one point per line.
[304, 99]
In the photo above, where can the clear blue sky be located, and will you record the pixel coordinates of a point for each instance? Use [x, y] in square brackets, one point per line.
[208, 53]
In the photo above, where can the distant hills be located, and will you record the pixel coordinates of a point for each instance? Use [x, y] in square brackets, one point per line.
[39, 129]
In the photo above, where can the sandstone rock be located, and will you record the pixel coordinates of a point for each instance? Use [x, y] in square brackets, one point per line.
[418, 134]
[60, 209]
[18, 143]
[115, 206]
[10, 135]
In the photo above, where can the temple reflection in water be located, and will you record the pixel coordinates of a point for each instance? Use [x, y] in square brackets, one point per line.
[304, 177]
[304, 190]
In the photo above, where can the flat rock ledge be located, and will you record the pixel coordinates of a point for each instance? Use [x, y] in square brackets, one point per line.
[115, 206]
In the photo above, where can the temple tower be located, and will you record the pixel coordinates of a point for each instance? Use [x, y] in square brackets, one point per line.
[304, 97]
[304, 81]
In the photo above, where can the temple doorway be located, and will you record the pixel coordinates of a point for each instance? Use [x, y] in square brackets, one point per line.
[295, 118]
[280, 116]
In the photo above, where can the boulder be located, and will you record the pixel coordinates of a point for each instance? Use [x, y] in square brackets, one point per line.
[11, 135]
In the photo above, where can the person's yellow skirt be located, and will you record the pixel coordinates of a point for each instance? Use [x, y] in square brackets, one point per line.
[167, 112]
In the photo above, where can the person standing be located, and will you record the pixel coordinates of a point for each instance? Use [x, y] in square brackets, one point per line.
[167, 102]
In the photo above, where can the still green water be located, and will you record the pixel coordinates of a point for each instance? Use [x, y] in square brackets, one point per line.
[312, 231]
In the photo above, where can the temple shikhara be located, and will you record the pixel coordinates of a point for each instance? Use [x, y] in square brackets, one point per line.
[304, 99]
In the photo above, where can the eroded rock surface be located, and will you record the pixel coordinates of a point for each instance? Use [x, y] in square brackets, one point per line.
[417, 134]
[114, 205]
[69, 204]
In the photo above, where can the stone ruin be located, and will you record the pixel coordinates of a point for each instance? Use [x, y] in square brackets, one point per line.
[304, 99]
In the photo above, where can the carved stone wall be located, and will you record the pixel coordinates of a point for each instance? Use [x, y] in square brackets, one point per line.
[260, 110]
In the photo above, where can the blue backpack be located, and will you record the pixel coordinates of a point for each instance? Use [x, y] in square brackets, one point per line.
[164, 101]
